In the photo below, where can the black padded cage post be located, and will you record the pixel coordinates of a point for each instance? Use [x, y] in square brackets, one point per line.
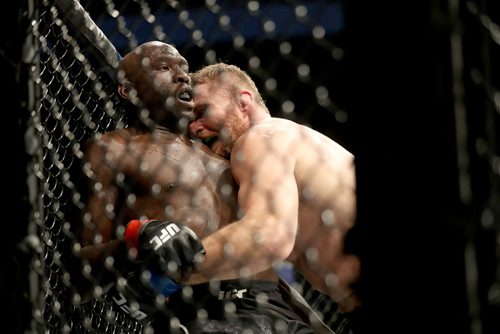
[71, 96]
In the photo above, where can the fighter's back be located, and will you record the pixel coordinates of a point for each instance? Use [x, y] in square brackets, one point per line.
[324, 173]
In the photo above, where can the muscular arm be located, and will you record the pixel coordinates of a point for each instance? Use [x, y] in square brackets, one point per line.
[96, 225]
[268, 200]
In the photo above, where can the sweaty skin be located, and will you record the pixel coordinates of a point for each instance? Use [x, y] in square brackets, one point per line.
[157, 175]
[151, 170]
[297, 191]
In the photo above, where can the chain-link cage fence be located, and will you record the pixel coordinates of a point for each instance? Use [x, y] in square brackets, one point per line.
[295, 52]
[74, 49]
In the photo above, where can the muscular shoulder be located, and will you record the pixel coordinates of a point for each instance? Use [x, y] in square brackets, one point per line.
[287, 143]
[272, 133]
[118, 150]
[265, 145]
[103, 143]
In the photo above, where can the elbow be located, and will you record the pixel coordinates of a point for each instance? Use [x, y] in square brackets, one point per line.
[280, 246]
[273, 240]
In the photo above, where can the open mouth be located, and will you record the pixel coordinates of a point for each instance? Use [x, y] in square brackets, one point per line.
[185, 96]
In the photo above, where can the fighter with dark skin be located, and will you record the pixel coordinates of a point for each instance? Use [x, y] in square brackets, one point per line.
[150, 169]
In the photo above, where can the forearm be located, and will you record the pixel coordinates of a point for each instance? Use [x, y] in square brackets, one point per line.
[101, 274]
[238, 250]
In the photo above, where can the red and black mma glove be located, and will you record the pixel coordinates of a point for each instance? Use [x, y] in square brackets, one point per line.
[168, 250]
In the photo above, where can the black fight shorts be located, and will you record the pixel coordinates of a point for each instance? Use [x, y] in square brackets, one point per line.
[232, 307]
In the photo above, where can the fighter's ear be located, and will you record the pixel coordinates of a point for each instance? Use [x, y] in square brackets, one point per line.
[246, 99]
[124, 89]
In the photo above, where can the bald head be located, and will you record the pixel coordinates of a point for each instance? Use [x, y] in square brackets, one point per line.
[156, 75]
[139, 59]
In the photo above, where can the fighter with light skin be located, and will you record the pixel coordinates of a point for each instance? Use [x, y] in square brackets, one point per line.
[297, 189]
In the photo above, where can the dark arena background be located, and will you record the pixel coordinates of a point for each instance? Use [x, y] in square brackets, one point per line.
[411, 87]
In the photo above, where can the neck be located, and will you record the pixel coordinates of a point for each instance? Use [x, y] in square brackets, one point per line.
[165, 121]
[153, 127]
[260, 115]
[182, 136]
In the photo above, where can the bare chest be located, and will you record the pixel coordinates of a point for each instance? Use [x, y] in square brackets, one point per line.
[164, 167]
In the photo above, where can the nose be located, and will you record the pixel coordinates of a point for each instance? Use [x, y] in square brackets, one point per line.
[195, 127]
[182, 76]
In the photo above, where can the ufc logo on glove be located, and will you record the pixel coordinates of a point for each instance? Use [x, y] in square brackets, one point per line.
[164, 235]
